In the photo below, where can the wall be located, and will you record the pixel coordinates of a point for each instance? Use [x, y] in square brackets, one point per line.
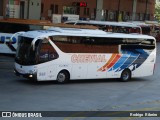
[34, 9]
[146, 8]
[91, 4]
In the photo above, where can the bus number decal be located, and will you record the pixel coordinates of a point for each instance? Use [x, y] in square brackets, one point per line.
[42, 74]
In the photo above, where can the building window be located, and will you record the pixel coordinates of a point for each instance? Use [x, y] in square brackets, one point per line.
[147, 17]
[112, 15]
[69, 10]
[54, 9]
[94, 12]
[138, 16]
[141, 16]
[42, 7]
[86, 11]
[1, 7]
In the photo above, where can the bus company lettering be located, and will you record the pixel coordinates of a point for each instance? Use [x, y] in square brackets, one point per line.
[77, 58]
[7, 39]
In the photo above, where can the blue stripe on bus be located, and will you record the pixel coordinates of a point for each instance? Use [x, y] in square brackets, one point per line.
[140, 60]
[120, 62]
[128, 62]
[138, 56]
[2, 39]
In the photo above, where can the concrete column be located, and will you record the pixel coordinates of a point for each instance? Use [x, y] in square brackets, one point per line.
[99, 10]
[134, 10]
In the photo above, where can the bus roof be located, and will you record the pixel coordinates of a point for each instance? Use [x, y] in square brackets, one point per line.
[82, 32]
[122, 24]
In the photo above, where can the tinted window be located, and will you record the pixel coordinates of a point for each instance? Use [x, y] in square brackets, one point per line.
[46, 52]
[74, 44]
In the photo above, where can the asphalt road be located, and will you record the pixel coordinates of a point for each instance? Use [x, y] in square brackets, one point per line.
[19, 94]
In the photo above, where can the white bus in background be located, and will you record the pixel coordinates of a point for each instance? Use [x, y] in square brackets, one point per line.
[116, 27]
[8, 41]
[65, 54]
[151, 28]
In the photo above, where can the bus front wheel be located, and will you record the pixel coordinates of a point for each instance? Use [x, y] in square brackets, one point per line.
[63, 77]
[126, 75]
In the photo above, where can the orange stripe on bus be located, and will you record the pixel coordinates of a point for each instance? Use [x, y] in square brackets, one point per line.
[114, 61]
[110, 60]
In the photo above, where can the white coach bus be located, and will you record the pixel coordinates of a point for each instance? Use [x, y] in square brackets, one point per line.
[64, 54]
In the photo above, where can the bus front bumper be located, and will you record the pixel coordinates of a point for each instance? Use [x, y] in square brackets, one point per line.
[28, 75]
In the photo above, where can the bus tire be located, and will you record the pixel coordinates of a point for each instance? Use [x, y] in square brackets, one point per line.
[126, 75]
[63, 77]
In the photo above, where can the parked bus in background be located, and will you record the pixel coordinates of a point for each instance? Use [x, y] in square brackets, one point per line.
[8, 27]
[116, 27]
[149, 28]
[155, 29]
[65, 54]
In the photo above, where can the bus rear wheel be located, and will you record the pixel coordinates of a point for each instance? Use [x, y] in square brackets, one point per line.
[126, 75]
[63, 77]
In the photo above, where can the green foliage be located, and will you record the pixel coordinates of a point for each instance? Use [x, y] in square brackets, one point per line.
[157, 12]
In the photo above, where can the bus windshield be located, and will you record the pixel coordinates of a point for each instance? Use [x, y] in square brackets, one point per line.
[25, 54]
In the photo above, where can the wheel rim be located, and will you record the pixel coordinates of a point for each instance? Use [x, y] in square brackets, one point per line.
[61, 77]
[125, 76]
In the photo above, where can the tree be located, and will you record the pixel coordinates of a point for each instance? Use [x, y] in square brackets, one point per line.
[157, 12]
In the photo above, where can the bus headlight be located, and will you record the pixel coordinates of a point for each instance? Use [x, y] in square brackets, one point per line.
[30, 76]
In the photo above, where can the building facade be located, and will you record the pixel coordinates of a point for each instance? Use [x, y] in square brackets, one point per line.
[115, 10]
[25, 9]
[110, 10]
[85, 8]
[127, 10]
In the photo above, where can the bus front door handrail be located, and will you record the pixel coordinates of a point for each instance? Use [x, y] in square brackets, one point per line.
[17, 33]
[35, 39]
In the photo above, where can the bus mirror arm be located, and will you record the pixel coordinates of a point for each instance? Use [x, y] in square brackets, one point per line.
[17, 33]
[37, 38]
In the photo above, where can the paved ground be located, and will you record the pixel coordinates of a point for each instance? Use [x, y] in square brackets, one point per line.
[19, 94]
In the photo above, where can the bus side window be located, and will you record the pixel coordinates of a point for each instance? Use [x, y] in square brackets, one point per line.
[47, 53]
